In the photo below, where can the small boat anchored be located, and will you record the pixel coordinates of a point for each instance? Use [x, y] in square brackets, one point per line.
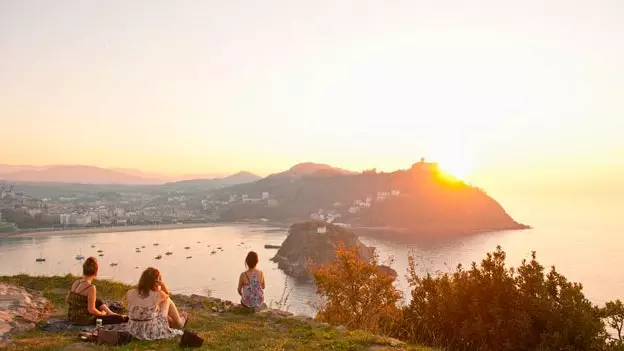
[41, 259]
[168, 253]
[158, 257]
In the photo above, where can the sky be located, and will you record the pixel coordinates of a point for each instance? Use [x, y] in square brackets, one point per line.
[505, 94]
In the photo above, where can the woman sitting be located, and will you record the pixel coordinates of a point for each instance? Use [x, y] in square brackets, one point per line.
[152, 314]
[84, 307]
[251, 283]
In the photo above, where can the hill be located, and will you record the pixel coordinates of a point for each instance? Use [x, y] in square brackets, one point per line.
[75, 174]
[421, 201]
[222, 324]
[200, 185]
[310, 169]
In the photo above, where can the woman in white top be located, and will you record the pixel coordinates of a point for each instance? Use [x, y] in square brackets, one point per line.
[152, 314]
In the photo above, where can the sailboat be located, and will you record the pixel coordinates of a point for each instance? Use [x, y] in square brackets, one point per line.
[80, 256]
[40, 258]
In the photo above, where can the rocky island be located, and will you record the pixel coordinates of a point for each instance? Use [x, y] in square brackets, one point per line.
[316, 241]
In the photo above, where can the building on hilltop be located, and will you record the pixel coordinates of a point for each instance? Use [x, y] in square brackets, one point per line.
[425, 166]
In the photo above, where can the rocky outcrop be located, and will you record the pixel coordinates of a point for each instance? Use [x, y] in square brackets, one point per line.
[20, 310]
[316, 242]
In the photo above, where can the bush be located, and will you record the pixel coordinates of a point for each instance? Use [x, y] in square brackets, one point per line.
[356, 294]
[492, 307]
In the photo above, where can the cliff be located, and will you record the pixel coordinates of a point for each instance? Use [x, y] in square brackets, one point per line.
[305, 243]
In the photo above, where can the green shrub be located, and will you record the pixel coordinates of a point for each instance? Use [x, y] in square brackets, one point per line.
[492, 307]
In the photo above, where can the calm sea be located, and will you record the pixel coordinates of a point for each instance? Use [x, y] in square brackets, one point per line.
[584, 242]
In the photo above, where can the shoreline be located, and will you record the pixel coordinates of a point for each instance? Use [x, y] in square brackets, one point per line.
[132, 228]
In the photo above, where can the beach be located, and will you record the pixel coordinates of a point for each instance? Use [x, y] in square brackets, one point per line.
[130, 228]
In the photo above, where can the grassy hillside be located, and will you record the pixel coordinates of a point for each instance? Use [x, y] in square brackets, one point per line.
[234, 330]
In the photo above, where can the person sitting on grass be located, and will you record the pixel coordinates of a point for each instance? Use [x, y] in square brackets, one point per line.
[251, 283]
[83, 305]
[153, 315]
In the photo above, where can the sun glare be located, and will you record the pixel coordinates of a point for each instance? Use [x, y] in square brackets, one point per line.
[459, 168]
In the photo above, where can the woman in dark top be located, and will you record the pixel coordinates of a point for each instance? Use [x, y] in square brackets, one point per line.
[84, 307]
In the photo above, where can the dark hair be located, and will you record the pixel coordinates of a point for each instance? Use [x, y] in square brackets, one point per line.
[251, 260]
[149, 281]
[90, 267]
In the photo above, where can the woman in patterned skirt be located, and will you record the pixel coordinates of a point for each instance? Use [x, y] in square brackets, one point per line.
[152, 314]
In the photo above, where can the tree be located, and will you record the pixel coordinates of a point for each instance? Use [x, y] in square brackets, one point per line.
[356, 294]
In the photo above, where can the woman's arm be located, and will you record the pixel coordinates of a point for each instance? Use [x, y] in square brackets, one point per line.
[262, 280]
[240, 285]
[163, 288]
[91, 303]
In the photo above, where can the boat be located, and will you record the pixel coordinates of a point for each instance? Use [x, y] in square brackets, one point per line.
[267, 246]
[101, 255]
[156, 244]
[219, 248]
[158, 257]
[142, 246]
[40, 259]
[187, 257]
[187, 247]
[199, 242]
[92, 246]
[168, 253]
[100, 251]
[213, 252]
[114, 264]
[79, 256]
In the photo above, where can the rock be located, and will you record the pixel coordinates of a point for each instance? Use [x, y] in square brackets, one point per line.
[341, 328]
[315, 241]
[20, 310]
[269, 312]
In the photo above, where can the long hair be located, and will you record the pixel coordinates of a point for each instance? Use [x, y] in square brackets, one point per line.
[90, 267]
[148, 282]
[251, 260]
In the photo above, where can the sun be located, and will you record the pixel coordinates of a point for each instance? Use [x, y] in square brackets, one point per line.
[457, 167]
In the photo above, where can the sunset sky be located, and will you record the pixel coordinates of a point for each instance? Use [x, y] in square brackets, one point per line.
[502, 93]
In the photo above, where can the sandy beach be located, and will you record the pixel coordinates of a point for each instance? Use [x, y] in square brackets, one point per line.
[131, 228]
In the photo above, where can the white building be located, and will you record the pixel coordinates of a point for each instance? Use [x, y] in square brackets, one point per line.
[265, 195]
[321, 230]
[395, 192]
[33, 212]
[119, 212]
[64, 218]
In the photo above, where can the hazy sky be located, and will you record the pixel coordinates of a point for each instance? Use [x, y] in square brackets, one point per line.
[497, 91]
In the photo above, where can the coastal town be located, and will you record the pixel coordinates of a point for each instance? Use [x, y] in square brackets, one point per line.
[21, 211]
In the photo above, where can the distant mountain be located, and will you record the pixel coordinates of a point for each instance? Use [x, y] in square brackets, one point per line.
[155, 177]
[421, 200]
[197, 185]
[75, 174]
[311, 169]
[18, 168]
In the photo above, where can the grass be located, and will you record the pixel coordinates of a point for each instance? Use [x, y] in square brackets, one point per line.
[235, 330]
